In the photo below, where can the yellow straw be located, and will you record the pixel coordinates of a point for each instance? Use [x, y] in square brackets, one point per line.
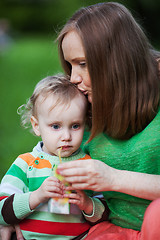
[59, 154]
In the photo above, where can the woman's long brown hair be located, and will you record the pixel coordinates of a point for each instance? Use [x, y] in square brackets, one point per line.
[122, 67]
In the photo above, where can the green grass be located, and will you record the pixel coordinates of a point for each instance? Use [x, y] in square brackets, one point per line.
[26, 61]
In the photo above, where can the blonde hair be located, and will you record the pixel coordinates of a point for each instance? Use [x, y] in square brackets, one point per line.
[122, 66]
[59, 86]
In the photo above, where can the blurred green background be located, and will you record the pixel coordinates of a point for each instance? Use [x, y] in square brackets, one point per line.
[28, 53]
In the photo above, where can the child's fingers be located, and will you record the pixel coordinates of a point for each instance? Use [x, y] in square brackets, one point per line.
[72, 196]
[55, 195]
[55, 189]
[52, 182]
[50, 189]
[51, 179]
[74, 201]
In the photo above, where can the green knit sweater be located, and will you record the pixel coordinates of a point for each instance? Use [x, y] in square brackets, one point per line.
[141, 153]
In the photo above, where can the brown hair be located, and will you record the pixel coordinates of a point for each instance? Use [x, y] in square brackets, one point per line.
[122, 67]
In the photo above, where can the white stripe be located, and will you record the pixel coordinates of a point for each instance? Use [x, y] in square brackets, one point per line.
[42, 207]
[9, 189]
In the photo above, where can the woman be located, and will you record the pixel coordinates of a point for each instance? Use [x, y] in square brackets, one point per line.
[109, 58]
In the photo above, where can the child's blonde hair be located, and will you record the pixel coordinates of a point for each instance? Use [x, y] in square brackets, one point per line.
[59, 85]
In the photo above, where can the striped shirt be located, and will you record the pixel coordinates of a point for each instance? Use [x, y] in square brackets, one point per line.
[25, 175]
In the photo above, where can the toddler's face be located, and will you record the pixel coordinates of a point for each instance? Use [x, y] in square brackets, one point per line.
[60, 126]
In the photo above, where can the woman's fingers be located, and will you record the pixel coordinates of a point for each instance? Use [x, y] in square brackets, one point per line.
[77, 179]
[72, 168]
[80, 183]
[88, 174]
[75, 163]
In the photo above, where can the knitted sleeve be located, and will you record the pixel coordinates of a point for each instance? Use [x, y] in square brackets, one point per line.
[100, 211]
[14, 194]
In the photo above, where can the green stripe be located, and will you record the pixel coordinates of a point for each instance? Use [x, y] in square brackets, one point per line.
[17, 172]
[52, 217]
[20, 162]
[14, 181]
[35, 182]
[41, 236]
[39, 172]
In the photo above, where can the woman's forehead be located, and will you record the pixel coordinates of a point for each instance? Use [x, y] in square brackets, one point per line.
[72, 44]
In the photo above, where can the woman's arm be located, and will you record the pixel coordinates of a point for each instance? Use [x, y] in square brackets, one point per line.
[97, 176]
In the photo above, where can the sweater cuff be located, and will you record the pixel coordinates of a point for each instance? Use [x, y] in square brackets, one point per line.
[21, 205]
[98, 209]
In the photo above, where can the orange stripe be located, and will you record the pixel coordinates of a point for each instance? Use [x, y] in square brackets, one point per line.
[30, 160]
[42, 163]
[27, 157]
[85, 157]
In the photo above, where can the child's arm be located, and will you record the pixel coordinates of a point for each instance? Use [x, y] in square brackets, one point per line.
[16, 207]
[100, 210]
[10, 213]
[93, 209]
[81, 199]
[15, 200]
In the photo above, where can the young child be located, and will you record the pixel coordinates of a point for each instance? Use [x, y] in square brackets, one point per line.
[57, 112]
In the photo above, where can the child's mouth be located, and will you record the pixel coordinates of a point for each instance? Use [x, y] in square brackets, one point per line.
[66, 147]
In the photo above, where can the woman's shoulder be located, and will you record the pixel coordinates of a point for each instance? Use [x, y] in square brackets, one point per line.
[150, 136]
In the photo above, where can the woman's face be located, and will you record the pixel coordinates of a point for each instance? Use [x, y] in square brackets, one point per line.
[74, 54]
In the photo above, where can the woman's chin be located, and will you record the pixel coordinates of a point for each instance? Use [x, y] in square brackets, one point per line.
[90, 98]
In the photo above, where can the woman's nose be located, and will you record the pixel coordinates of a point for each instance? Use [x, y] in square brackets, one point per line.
[75, 77]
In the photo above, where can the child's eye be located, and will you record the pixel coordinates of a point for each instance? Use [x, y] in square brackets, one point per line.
[76, 126]
[55, 126]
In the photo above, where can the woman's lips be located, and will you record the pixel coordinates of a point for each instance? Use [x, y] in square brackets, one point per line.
[84, 92]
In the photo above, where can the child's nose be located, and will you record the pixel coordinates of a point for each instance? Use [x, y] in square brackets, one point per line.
[66, 136]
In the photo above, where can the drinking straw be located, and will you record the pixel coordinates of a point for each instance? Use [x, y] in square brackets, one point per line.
[59, 154]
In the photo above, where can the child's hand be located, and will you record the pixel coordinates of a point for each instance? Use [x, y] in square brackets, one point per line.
[51, 187]
[6, 232]
[81, 200]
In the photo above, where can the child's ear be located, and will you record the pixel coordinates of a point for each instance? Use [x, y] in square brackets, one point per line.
[35, 125]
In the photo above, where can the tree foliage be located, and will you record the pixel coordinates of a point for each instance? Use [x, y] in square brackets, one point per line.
[49, 15]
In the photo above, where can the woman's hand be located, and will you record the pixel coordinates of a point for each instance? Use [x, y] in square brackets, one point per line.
[81, 199]
[98, 176]
[50, 188]
[87, 174]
